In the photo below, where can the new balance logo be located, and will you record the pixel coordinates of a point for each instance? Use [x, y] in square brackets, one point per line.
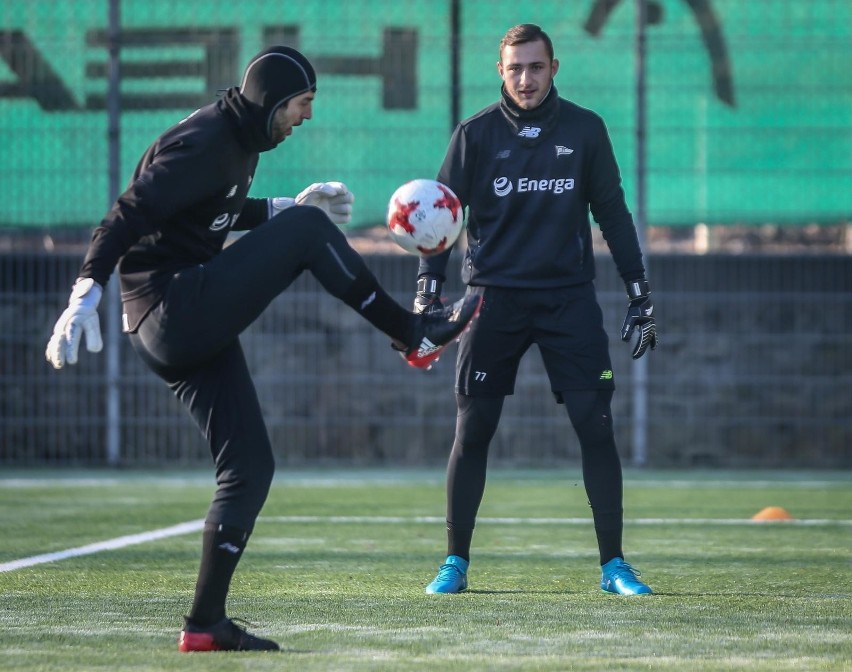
[530, 132]
[232, 192]
[230, 548]
[606, 375]
[561, 150]
[504, 154]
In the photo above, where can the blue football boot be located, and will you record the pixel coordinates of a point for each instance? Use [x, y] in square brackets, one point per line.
[452, 577]
[617, 576]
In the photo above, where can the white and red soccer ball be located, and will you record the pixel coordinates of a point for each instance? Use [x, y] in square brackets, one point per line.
[424, 217]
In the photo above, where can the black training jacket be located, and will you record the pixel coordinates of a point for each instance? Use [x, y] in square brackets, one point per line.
[187, 192]
[528, 189]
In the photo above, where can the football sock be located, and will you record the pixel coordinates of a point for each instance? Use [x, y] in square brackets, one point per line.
[221, 549]
[609, 544]
[367, 297]
[345, 275]
[458, 542]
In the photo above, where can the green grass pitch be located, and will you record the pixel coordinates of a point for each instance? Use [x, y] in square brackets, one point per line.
[339, 559]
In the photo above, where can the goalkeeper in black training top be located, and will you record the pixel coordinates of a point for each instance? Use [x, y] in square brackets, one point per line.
[529, 168]
[186, 299]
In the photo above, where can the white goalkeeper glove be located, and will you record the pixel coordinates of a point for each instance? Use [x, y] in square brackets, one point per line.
[80, 317]
[333, 198]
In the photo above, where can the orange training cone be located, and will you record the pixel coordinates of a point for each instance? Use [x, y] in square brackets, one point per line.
[772, 513]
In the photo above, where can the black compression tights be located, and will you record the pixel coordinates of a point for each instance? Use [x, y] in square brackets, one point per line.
[591, 416]
[476, 423]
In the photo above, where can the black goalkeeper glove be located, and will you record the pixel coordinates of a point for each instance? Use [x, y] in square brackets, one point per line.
[640, 314]
[428, 296]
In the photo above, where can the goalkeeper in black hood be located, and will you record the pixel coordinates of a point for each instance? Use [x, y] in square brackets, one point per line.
[186, 297]
[529, 169]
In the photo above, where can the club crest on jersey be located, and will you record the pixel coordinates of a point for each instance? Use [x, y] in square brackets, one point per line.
[561, 150]
[529, 132]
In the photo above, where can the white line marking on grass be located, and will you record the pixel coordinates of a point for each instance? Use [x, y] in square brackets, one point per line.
[196, 525]
[111, 544]
[548, 521]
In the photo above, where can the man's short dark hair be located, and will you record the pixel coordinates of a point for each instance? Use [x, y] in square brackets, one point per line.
[526, 32]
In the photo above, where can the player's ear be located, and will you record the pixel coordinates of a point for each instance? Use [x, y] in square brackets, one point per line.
[554, 67]
[500, 68]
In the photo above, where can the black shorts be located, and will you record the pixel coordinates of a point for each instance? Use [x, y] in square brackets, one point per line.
[565, 322]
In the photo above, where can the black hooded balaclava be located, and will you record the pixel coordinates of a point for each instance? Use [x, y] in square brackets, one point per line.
[273, 77]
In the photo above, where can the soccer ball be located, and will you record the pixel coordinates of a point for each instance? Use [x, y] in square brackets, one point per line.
[424, 217]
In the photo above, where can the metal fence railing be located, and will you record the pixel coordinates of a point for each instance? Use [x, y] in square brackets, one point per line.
[755, 355]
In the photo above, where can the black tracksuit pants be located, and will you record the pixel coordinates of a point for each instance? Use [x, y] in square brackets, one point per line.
[191, 340]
